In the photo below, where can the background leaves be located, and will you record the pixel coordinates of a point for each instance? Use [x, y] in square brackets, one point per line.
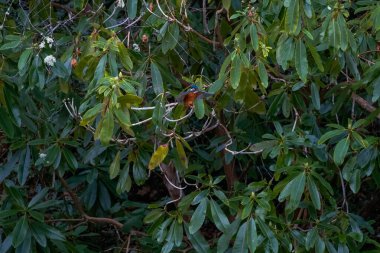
[98, 143]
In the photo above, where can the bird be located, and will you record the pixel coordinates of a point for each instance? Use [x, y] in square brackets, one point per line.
[188, 96]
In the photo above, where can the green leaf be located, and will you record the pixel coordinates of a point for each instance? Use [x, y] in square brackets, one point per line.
[314, 194]
[216, 86]
[158, 156]
[198, 216]
[340, 150]
[316, 57]
[297, 189]
[235, 72]
[199, 108]
[355, 181]
[70, 158]
[130, 99]
[292, 18]
[343, 32]
[254, 37]
[251, 235]
[100, 68]
[181, 153]
[284, 51]
[360, 139]
[263, 74]
[106, 130]
[125, 181]
[6, 123]
[132, 8]
[220, 219]
[38, 233]
[154, 215]
[241, 245]
[178, 233]
[24, 59]
[198, 242]
[156, 79]
[90, 115]
[334, 34]
[115, 166]
[329, 135]
[20, 231]
[124, 120]
[52, 154]
[38, 197]
[16, 196]
[226, 4]
[311, 238]
[315, 96]
[320, 246]
[54, 234]
[301, 60]
[158, 113]
[273, 242]
[170, 39]
[124, 56]
[11, 45]
[23, 169]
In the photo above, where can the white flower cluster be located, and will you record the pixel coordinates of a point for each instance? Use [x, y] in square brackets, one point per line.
[47, 40]
[136, 47]
[50, 60]
[120, 3]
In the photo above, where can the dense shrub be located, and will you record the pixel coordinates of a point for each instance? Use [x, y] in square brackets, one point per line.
[101, 150]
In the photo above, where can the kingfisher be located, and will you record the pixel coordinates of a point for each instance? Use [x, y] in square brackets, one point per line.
[188, 96]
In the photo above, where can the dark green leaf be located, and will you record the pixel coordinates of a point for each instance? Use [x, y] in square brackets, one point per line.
[115, 166]
[301, 60]
[263, 74]
[235, 72]
[220, 219]
[132, 8]
[315, 96]
[198, 216]
[20, 231]
[156, 79]
[340, 150]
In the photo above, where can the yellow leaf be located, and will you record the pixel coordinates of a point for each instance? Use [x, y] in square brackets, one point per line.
[158, 156]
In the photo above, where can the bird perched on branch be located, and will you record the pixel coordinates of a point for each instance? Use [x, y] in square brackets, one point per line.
[190, 94]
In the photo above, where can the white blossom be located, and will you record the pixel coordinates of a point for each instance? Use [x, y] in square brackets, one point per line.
[328, 7]
[42, 44]
[50, 41]
[50, 60]
[42, 155]
[136, 47]
[120, 3]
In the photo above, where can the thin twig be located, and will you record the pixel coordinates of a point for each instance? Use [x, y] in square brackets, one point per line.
[345, 202]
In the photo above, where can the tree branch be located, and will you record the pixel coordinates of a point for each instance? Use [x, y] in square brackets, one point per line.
[363, 103]
[79, 207]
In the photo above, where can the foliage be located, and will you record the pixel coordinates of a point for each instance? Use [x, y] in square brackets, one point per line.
[99, 151]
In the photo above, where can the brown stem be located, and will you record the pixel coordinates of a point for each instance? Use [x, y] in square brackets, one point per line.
[229, 169]
[79, 207]
[363, 103]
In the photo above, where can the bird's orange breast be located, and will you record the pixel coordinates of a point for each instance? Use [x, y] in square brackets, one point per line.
[189, 99]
